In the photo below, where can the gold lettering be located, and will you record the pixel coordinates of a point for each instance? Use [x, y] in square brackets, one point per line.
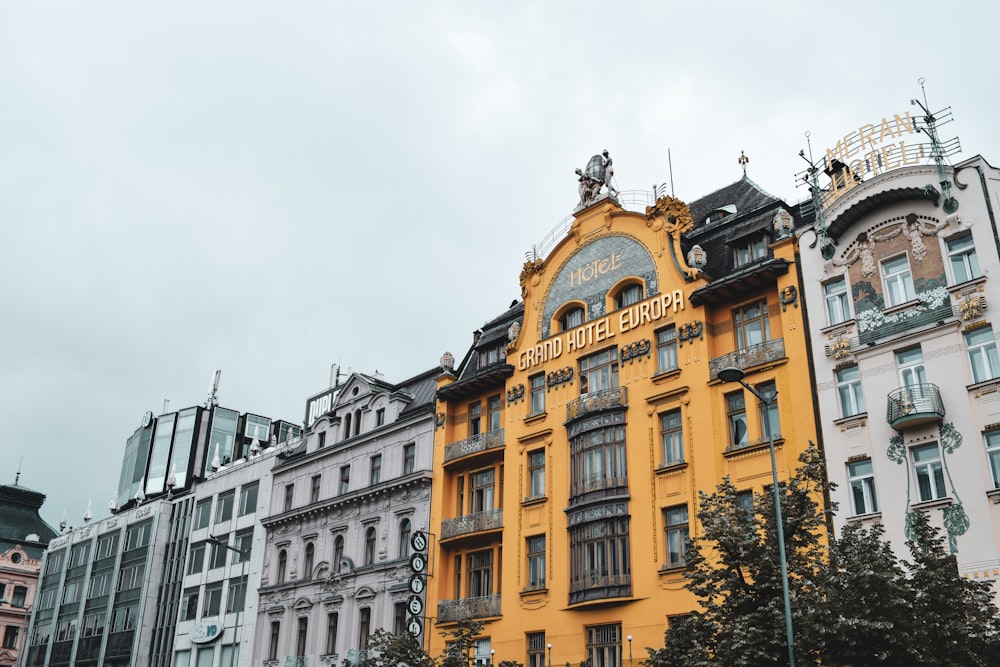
[644, 312]
[865, 132]
[678, 300]
[885, 129]
[905, 124]
[902, 148]
[848, 153]
[838, 153]
[625, 320]
[886, 152]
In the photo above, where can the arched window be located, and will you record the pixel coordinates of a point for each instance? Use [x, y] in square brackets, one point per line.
[404, 538]
[307, 567]
[282, 565]
[573, 317]
[370, 546]
[629, 294]
[347, 426]
[357, 422]
[338, 552]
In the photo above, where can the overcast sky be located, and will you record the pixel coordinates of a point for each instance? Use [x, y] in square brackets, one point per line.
[268, 188]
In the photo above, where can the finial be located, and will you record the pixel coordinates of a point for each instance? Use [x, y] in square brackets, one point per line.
[88, 515]
[743, 160]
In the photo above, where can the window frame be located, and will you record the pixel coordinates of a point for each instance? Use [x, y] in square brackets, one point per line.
[982, 354]
[599, 371]
[864, 495]
[409, 457]
[929, 470]
[850, 394]
[837, 303]
[224, 507]
[537, 388]
[991, 440]
[749, 320]
[676, 531]
[535, 551]
[536, 474]
[896, 280]
[374, 469]
[671, 437]
[750, 249]
[736, 418]
[249, 494]
[369, 546]
[966, 255]
[344, 485]
[666, 349]
[202, 514]
[629, 294]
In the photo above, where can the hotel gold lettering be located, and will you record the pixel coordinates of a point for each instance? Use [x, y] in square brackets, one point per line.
[600, 330]
[598, 267]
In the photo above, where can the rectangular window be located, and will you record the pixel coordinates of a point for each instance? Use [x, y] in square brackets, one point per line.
[849, 391]
[196, 559]
[604, 645]
[460, 495]
[962, 258]
[861, 477]
[982, 348]
[930, 474]
[537, 383]
[536, 649]
[598, 460]
[71, 592]
[10, 636]
[536, 562]
[189, 604]
[458, 577]
[675, 522]
[536, 474]
[475, 418]
[300, 643]
[993, 454]
[289, 496]
[108, 544]
[314, 488]
[480, 573]
[666, 349]
[399, 618]
[130, 577]
[599, 371]
[911, 367]
[481, 485]
[380, 417]
[332, 625]
[749, 250]
[737, 413]
[750, 324]
[258, 427]
[493, 407]
[224, 508]
[599, 555]
[272, 645]
[213, 599]
[838, 308]
[364, 626]
[248, 498]
[321, 440]
[898, 281]
[409, 458]
[769, 418]
[672, 437]
[100, 584]
[345, 479]
[236, 595]
[217, 556]
[137, 536]
[375, 469]
[202, 513]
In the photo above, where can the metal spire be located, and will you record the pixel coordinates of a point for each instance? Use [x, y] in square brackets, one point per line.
[937, 149]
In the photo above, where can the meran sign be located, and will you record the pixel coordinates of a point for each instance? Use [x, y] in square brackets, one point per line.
[873, 148]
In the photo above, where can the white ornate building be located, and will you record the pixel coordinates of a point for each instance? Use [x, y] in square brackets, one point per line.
[904, 342]
[345, 501]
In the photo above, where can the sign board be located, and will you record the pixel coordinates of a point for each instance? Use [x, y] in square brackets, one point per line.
[418, 562]
[414, 626]
[418, 541]
[416, 584]
[416, 605]
[205, 631]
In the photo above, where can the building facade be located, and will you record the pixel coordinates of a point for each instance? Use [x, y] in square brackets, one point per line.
[899, 275]
[23, 539]
[111, 592]
[346, 500]
[584, 421]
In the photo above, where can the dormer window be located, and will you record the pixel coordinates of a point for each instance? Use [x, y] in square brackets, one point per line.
[749, 250]
[493, 354]
[628, 295]
[571, 318]
[720, 213]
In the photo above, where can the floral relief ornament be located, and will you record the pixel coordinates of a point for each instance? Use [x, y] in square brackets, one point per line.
[911, 227]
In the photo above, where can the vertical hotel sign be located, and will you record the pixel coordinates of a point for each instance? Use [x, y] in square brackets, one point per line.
[418, 569]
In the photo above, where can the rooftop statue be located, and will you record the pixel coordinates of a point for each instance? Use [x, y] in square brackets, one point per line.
[597, 174]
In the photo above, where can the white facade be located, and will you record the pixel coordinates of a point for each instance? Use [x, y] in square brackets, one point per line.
[903, 335]
[343, 507]
[220, 585]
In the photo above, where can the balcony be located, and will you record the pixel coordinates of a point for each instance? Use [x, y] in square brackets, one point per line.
[456, 610]
[748, 357]
[914, 405]
[472, 523]
[477, 443]
[600, 587]
[616, 397]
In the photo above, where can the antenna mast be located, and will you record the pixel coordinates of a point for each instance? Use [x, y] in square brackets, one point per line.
[213, 390]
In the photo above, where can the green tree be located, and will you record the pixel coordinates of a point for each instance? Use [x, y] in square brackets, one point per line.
[460, 644]
[853, 602]
[386, 649]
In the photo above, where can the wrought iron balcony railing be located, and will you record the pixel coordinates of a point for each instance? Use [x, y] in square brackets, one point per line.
[473, 445]
[472, 523]
[914, 405]
[456, 610]
[600, 581]
[616, 397]
[748, 357]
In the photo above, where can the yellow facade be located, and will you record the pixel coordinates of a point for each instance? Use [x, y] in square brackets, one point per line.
[559, 502]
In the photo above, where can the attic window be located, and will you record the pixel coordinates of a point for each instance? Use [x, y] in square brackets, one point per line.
[720, 213]
[492, 354]
[749, 249]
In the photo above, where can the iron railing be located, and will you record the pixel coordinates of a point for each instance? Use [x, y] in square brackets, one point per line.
[748, 357]
[616, 397]
[472, 523]
[477, 443]
[456, 610]
[914, 403]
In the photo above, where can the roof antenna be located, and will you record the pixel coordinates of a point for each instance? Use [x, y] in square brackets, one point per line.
[17, 477]
[213, 389]
[670, 168]
[742, 160]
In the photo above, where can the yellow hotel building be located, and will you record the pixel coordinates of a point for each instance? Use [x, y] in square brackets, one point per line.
[573, 438]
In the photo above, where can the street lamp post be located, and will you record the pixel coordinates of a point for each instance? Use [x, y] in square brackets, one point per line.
[244, 555]
[549, 646]
[733, 374]
[629, 650]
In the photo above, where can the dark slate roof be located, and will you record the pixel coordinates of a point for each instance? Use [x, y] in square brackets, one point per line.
[19, 518]
[744, 194]
[422, 388]
[471, 377]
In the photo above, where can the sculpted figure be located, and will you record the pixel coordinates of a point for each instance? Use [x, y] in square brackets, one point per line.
[608, 173]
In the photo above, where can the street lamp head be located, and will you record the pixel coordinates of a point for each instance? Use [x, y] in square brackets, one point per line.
[548, 646]
[731, 374]
[629, 638]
